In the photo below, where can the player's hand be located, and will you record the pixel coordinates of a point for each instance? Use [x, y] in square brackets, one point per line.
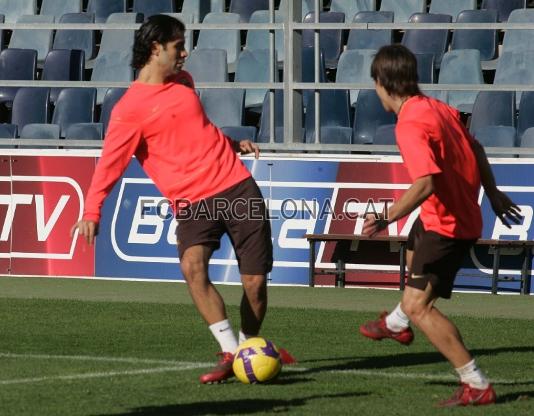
[246, 146]
[504, 208]
[374, 224]
[87, 229]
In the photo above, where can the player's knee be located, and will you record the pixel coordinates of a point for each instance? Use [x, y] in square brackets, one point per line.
[255, 287]
[193, 269]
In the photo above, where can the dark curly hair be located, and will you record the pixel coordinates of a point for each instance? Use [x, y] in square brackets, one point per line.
[395, 68]
[159, 28]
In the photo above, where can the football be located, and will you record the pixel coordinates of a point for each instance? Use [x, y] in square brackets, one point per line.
[257, 360]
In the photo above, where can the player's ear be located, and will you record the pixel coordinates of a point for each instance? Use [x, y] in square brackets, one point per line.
[156, 48]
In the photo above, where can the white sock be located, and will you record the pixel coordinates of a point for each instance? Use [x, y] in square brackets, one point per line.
[223, 333]
[397, 320]
[472, 375]
[243, 337]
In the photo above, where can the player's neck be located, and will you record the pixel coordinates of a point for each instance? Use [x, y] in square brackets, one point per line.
[398, 102]
[151, 74]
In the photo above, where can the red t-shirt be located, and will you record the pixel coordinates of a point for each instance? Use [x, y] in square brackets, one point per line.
[166, 128]
[433, 141]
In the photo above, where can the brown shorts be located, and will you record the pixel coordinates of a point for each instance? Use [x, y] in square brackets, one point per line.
[436, 259]
[239, 211]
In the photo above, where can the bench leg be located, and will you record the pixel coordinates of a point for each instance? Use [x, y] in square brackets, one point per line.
[525, 271]
[340, 273]
[402, 263]
[496, 265]
[311, 276]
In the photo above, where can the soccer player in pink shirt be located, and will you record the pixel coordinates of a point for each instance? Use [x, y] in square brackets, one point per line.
[447, 167]
[194, 165]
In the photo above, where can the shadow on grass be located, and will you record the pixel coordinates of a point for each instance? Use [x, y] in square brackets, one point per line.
[516, 397]
[233, 407]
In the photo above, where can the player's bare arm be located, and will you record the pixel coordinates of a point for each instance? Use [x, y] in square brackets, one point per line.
[501, 204]
[420, 190]
[87, 229]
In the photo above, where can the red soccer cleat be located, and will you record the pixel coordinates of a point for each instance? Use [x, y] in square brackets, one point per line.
[378, 330]
[222, 371]
[285, 357]
[469, 396]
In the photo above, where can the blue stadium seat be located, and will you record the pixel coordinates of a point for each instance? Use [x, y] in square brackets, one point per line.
[119, 40]
[224, 107]
[493, 108]
[369, 115]
[198, 9]
[40, 132]
[245, 8]
[451, 7]
[58, 8]
[16, 64]
[207, 65]
[425, 67]
[13, 10]
[308, 72]
[186, 19]
[7, 131]
[76, 39]
[102, 9]
[370, 38]
[527, 140]
[74, 105]
[385, 135]
[227, 39]
[2, 19]
[151, 7]
[113, 95]
[112, 67]
[351, 7]
[259, 39]
[84, 131]
[403, 9]
[525, 119]
[434, 41]
[63, 65]
[239, 133]
[485, 40]
[39, 39]
[515, 68]
[519, 40]
[254, 66]
[31, 105]
[334, 116]
[496, 136]
[355, 67]
[503, 7]
[265, 129]
[329, 40]
[461, 66]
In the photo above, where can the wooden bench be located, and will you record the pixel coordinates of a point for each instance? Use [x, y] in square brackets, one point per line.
[495, 245]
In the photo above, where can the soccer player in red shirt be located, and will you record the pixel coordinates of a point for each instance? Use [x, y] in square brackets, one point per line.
[447, 167]
[161, 121]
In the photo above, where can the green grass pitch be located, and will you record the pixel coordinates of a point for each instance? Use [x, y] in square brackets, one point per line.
[82, 347]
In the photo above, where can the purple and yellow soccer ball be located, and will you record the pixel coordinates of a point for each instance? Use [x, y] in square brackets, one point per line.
[257, 360]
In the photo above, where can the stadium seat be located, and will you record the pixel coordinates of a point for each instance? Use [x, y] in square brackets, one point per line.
[330, 40]
[151, 7]
[434, 41]
[74, 105]
[355, 67]
[307, 7]
[16, 64]
[119, 40]
[259, 39]
[7, 131]
[461, 67]
[76, 39]
[63, 65]
[503, 7]
[515, 68]
[308, 72]
[31, 105]
[245, 8]
[527, 140]
[224, 107]
[58, 8]
[451, 7]
[403, 9]
[197, 8]
[385, 135]
[2, 19]
[370, 38]
[102, 9]
[334, 116]
[254, 66]
[227, 39]
[265, 129]
[425, 67]
[496, 136]
[40, 132]
[112, 67]
[186, 19]
[207, 65]
[351, 7]
[485, 40]
[13, 10]
[239, 133]
[39, 39]
[84, 131]
[112, 96]
[519, 40]
[369, 115]
[525, 118]
[493, 108]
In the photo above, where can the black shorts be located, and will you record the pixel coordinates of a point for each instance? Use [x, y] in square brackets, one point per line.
[239, 211]
[436, 259]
